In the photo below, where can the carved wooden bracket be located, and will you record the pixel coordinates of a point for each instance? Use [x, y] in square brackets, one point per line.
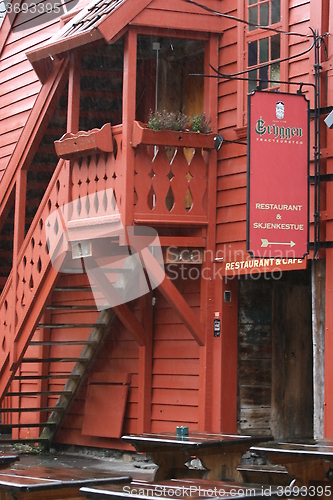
[83, 143]
[144, 135]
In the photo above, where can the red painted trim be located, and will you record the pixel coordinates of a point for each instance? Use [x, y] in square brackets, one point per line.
[121, 17]
[95, 141]
[74, 91]
[144, 135]
[129, 108]
[178, 21]
[61, 47]
[177, 301]
[207, 305]
[145, 365]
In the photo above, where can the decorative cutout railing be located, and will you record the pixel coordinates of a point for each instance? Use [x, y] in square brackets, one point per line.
[170, 176]
[97, 180]
[32, 263]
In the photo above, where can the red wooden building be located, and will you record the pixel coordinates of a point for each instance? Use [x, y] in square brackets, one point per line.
[217, 345]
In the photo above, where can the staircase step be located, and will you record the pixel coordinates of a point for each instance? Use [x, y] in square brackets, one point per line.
[24, 440]
[73, 289]
[33, 409]
[62, 342]
[39, 393]
[47, 377]
[4, 428]
[55, 360]
[70, 325]
[71, 308]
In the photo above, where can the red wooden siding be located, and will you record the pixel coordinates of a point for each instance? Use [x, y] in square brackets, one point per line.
[175, 378]
[19, 85]
[175, 382]
[231, 182]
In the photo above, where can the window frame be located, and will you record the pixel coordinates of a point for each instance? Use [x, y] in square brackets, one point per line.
[244, 37]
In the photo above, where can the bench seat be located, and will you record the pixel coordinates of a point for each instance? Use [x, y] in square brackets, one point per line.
[24, 481]
[195, 489]
[265, 474]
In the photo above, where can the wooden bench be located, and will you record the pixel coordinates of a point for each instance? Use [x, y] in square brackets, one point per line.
[42, 482]
[219, 454]
[7, 459]
[196, 489]
[265, 474]
[307, 460]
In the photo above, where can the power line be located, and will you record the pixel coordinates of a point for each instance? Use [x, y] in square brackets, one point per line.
[248, 23]
[268, 63]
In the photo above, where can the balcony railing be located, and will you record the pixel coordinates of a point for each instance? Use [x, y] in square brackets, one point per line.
[170, 175]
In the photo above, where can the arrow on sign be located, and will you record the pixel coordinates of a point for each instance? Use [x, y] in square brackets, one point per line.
[265, 243]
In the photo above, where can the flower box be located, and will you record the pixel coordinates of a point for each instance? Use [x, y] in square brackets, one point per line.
[85, 143]
[144, 135]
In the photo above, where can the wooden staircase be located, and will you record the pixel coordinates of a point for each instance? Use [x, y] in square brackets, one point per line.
[51, 323]
[59, 356]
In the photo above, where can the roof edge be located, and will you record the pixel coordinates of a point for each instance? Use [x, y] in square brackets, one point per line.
[121, 17]
[42, 58]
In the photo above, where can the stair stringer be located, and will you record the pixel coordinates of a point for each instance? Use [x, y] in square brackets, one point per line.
[80, 372]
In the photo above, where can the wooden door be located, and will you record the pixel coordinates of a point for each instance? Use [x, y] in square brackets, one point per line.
[292, 379]
[275, 380]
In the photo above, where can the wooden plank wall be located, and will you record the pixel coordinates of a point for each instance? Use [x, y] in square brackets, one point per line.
[254, 356]
[175, 380]
[175, 384]
[231, 182]
[19, 85]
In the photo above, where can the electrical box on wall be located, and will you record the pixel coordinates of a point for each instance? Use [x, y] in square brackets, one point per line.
[217, 324]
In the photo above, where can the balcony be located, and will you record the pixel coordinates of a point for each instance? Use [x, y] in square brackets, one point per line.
[170, 175]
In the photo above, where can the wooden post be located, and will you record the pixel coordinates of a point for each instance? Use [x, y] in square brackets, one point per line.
[318, 336]
[19, 233]
[208, 399]
[328, 381]
[328, 404]
[129, 97]
[73, 110]
[145, 365]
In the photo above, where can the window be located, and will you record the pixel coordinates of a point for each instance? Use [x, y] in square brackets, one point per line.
[163, 75]
[263, 46]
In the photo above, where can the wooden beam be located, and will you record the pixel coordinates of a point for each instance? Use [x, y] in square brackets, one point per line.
[131, 322]
[111, 25]
[145, 365]
[174, 297]
[73, 108]
[129, 107]
[179, 21]
[209, 385]
[124, 313]
[19, 232]
[318, 272]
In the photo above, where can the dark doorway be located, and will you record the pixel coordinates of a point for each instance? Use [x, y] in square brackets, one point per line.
[275, 394]
[292, 387]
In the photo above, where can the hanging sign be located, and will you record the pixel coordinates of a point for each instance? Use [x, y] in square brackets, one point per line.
[277, 183]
